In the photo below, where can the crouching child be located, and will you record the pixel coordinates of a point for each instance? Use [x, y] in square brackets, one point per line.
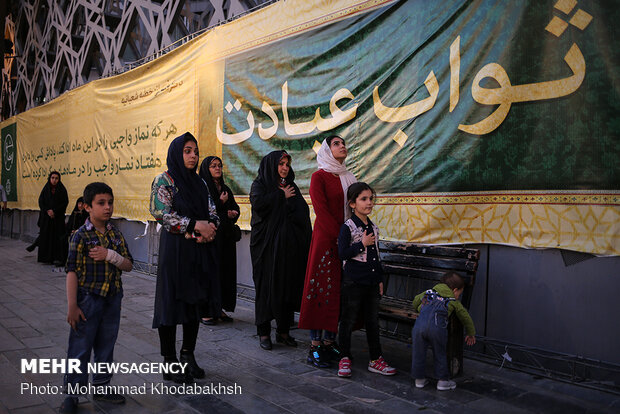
[431, 329]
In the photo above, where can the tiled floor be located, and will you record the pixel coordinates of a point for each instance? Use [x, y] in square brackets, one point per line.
[33, 325]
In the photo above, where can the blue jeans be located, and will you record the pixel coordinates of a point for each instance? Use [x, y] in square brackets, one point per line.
[97, 333]
[430, 329]
[319, 334]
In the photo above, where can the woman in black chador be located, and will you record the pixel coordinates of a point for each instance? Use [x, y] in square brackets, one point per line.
[187, 275]
[225, 240]
[279, 244]
[53, 203]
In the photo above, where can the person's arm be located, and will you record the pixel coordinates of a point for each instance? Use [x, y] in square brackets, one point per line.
[297, 208]
[42, 205]
[74, 313]
[62, 206]
[417, 301]
[346, 250]
[46, 210]
[465, 319]
[99, 253]
[318, 195]
[162, 191]
[262, 201]
[118, 255]
[213, 210]
[123, 250]
[232, 207]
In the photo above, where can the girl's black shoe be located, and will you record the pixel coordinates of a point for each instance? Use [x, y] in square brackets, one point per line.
[288, 340]
[192, 367]
[318, 357]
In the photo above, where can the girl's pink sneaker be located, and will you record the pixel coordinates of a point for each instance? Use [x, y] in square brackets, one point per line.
[344, 367]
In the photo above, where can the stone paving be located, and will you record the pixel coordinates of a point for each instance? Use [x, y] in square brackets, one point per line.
[32, 325]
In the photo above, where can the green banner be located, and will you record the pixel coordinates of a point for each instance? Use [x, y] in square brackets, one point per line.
[8, 177]
[450, 96]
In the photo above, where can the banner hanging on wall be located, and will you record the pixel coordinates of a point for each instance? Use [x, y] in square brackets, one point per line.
[8, 178]
[475, 121]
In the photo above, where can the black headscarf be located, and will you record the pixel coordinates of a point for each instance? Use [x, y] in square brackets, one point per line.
[226, 224]
[268, 170]
[205, 174]
[77, 218]
[78, 201]
[56, 201]
[191, 200]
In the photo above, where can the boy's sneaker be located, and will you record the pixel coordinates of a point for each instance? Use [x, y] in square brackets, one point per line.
[317, 357]
[381, 367]
[421, 383]
[344, 367]
[112, 398]
[445, 385]
[69, 406]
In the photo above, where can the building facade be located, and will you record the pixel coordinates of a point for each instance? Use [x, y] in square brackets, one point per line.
[52, 46]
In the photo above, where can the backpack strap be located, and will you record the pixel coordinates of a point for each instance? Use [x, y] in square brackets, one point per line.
[431, 295]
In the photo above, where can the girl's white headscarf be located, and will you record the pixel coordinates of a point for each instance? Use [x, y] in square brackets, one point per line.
[328, 163]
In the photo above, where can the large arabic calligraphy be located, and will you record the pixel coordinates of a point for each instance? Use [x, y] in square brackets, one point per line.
[504, 96]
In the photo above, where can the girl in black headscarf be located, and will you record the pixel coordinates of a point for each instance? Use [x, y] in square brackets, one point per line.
[187, 275]
[53, 202]
[227, 236]
[77, 218]
[279, 245]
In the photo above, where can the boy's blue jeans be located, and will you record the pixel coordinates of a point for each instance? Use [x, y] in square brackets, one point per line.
[430, 329]
[97, 333]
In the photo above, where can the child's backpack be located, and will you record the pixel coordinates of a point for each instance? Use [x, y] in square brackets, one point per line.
[435, 307]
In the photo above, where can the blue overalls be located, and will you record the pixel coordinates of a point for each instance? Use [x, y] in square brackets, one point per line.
[431, 329]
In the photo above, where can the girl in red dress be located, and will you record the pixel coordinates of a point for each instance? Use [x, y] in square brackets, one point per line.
[320, 305]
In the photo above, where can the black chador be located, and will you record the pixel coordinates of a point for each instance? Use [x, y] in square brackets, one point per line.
[279, 243]
[52, 239]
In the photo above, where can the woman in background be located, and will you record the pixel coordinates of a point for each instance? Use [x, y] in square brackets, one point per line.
[225, 239]
[52, 240]
[77, 218]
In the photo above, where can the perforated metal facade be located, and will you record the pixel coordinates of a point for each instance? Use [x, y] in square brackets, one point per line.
[58, 45]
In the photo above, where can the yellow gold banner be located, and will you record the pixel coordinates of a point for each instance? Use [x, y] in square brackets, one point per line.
[581, 221]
